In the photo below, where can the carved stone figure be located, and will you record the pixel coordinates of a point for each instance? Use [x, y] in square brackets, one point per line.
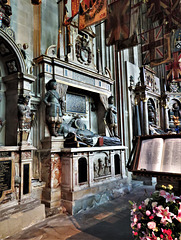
[24, 112]
[101, 167]
[53, 108]
[25, 117]
[176, 110]
[107, 167]
[176, 114]
[28, 61]
[111, 117]
[76, 131]
[96, 169]
[151, 112]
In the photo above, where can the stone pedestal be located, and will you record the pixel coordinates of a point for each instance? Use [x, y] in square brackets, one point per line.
[51, 171]
[53, 143]
[51, 175]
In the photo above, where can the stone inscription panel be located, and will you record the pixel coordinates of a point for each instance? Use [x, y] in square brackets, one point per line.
[75, 103]
[5, 176]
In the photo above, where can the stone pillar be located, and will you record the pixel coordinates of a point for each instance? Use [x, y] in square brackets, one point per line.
[112, 153]
[123, 164]
[61, 33]
[145, 118]
[166, 118]
[75, 171]
[164, 114]
[90, 168]
[16, 84]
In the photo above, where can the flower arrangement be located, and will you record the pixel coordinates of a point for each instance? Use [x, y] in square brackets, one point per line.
[158, 217]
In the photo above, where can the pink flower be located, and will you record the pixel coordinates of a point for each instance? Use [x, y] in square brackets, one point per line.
[164, 214]
[162, 193]
[135, 219]
[178, 217]
[139, 225]
[151, 225]
[148, 213]
[132, 225]
[170, 197]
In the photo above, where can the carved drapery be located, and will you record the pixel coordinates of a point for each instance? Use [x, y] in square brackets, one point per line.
[104, 100]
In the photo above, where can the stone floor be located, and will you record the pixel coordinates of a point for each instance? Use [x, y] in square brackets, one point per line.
[110, 221]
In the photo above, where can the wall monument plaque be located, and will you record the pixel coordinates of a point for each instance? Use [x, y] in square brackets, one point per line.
[5, 177]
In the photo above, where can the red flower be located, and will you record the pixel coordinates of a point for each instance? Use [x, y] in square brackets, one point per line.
[140, 207]
[168, 232]
[135, 233]
[151, 217]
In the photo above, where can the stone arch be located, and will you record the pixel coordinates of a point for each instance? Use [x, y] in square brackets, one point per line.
[9, 52]
[16, 81]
